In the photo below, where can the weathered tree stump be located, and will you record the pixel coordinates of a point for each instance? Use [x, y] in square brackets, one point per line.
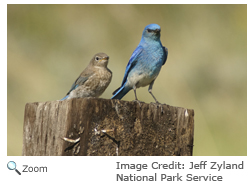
[133, 129]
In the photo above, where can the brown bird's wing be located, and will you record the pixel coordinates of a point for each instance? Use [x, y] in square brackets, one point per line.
[84, 76]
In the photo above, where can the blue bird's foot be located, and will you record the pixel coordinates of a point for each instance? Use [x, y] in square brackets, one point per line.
[139, 102]
[157, 104]
[160, 105]
[136, 100]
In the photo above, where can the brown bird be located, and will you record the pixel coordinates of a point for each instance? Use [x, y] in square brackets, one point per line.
[93, 80]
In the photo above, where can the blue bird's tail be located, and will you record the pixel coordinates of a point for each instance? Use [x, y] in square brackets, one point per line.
[65, 97]
[120, 93]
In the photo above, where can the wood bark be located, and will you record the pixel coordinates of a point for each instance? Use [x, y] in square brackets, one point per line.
[132, 128]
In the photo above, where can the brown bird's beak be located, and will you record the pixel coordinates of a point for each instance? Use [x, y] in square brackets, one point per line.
[105, 58]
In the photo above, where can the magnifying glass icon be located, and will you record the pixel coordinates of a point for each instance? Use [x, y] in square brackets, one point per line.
[12, 166]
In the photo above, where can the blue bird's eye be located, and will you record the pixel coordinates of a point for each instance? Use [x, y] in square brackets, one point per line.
[96, 58]
[148, 30]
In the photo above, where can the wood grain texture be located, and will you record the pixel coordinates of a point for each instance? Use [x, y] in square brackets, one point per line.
[135, 130]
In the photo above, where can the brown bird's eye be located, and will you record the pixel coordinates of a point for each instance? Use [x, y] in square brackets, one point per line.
[96, 58]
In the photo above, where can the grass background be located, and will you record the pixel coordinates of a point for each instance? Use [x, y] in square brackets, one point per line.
[49, 45]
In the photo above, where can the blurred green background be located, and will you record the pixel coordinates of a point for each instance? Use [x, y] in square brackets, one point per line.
[49, 46]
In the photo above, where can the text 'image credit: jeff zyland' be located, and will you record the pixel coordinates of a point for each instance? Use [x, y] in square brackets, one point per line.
[136, 171]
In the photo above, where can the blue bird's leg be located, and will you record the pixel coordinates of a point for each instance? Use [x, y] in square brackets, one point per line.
[136, 100]
[134, 88]
[150, 91]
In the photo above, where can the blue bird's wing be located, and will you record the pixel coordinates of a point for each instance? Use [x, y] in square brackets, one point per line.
[166, 54]
[132, 62]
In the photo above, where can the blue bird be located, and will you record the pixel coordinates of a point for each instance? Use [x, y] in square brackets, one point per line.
[145, 63]
[93, 80]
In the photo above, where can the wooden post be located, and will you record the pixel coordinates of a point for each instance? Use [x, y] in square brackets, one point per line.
[92, 126]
